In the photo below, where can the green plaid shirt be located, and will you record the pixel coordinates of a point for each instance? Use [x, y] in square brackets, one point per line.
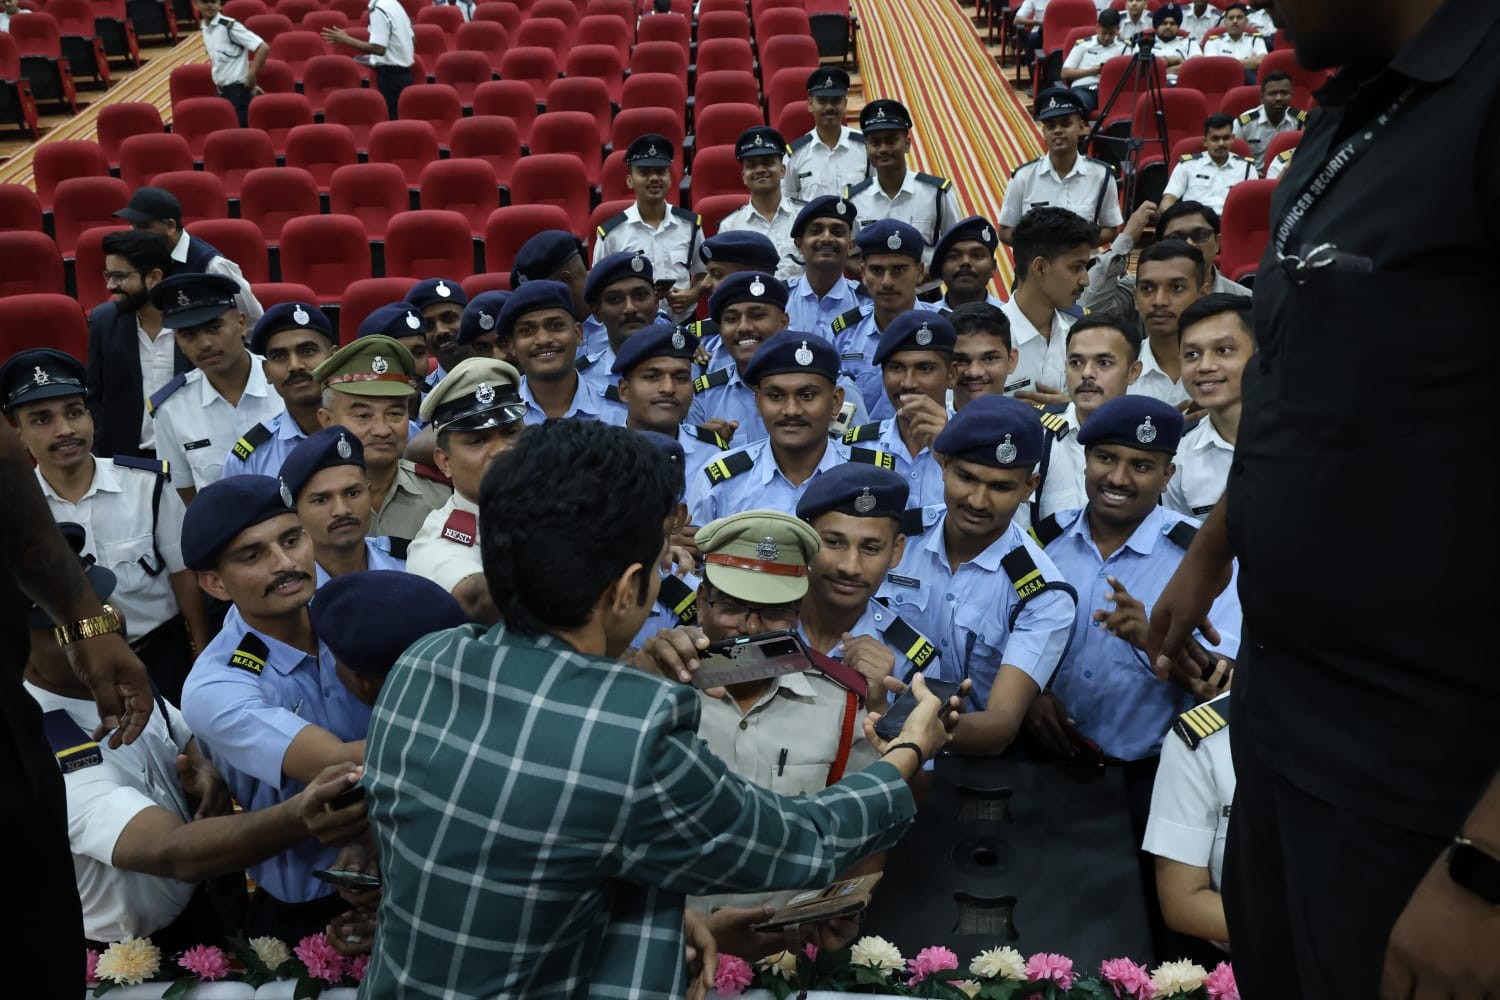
[542, 814]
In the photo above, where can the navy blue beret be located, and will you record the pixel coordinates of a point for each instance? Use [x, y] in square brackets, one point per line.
[742, 247]
[976, 228]
[40, 373]
[759, 140]
[396, 320]
[747, 286]
[481, 316]
[789, 352]
[658, 339]
[289, 316]
[543, 255]
[855, 488]
[436, 291]
[994, 430]
[671, 449]
[888, 236]
[617, 267]
[223, 509]
[1142, 422]
[324, 449]
[533, 297]
[828, 206]
[369, 619]
[916, 330]
[192, 299]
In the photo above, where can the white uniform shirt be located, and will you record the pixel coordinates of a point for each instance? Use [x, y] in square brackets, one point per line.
[1256, 129]
[230, 45]
[116, 517]
[1278, 166]
[1198, 178]
[1130, 30]
[1063, 488]
[391, 28]
[447, 554]
[244, 298]
[5, 18]
[1195, 26]
[102, 800]
[1190, 802]
[1203, 460]
[672, 246]
[1090, 53]
[1181, 46]
[196, 427]
[778, 229]
[928, 208]
[1249, 45]
[464, 6]
[1041, 359]
[1261, 21]
[1154, 382]
[1035, 9]
[813, 169]
[1088, 189]
[158, 358]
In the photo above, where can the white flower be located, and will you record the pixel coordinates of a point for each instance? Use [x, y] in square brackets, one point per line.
[784, 964]
[129, 962]
[271, 951]
[1177, 977]
[971, 989]
[877, 953]
[999, 963]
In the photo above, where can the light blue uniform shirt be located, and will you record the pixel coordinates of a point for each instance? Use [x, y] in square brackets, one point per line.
[1106, 684]
[877, 620]
[735, 400]
[377, 556]
[696, 452]
[245, 719]
[267, 457]
[856, 345]
[597, 373]
[923, 475]
[967, 613]
[761, 487]
[811, 314]
[588, 404]
[663, 615]
[595, 337]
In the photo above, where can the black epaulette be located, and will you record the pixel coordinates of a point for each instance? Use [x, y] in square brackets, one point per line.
[1014, 173]
[858, 137]
[1247, 117]
[680, 598]
[941, 183]
[711, 380]
[871, 456]
[583, 363]
[726, 468]
[251, 440]
[611, 224]
[687, 215]
[700, 328]
[1047, 530]
[846, 319]
[612, 393]
[850, 192]
[1182, 534]
[1023, 573]
[154, 465]
[708, 436]
[398, 546]
[73, 747]
[160, 395]
[1202, 722]
[862, 433]
[915, 646]
[251, 654]
[1052, 419]
[797, 144]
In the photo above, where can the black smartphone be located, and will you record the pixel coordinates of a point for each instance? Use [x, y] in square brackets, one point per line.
[343, 799]
[347, 878]
[891, 722]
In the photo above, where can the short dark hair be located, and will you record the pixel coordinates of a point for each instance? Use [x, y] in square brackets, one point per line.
[1276, 76]
[1109, 18]
[563, 514]
[1108, 321]
[1217, 304]
[146, 251]
[1217, 120]
[1172, 250]
[981, 317]
[1050, 232]
[1182, 209]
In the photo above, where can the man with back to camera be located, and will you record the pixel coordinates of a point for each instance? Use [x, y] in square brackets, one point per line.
[293, 338]
[390, 50]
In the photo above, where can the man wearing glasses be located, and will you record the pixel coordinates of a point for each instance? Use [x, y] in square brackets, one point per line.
[1110, 288]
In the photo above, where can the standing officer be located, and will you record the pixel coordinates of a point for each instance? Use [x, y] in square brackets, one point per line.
[157, 210]
[538, 320]
[132, 522]
[293, 338]
[326, 477]
[441, 304]
[477, 413]
[725, 254]
[1208, 177]
[677, 595]
[965, 261]
[200, 414]
[987, 594]
[263, 697]
[235, 55]
[925, 202]
[823, 232]
[366, 386]
[655, 372]
[391, 48]
[983, 357]
[621, 291]
[1064, 178]
[477, 329]
[761, 152]
[1218, 341]
[558, 255]
[832, 156]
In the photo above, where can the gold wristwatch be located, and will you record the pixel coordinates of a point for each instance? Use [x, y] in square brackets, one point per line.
[87, 628]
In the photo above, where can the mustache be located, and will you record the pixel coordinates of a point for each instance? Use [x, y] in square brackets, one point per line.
[340, 522]
[69, 443]
[284, 578]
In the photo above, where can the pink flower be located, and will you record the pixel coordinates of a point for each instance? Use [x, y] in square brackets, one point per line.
[930, 961]
[1221, 984]
[357, 966]
[734, 975]
[206, 962]
[321, 960]
[1127, 979]
[1046, 965]
[90, 963]
[810, 950]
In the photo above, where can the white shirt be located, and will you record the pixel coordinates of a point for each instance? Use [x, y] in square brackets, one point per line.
[814, 169]
[1090, 53]
[1203, 460]
[1041, 359]
[1261, 21]
[1063, 488]
[1088, 190]
[1195, 26]
[1278, 166]
[158, 358]
[391, 28]
[116, 517]
[1154, 382]
[1255, 127]
[1198, 178]
[5, 18]
[196, 427]
[1129, 29]
[1190, 803]
[778, 229]
[230, 45]
[102, 800]
[245, 298]
[1222, 45]
[1034, 9]
[447, 554]
[671, 246]
[1180, 46]
[928, 208]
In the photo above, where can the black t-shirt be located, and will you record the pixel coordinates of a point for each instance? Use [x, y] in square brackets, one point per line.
[1362, 493]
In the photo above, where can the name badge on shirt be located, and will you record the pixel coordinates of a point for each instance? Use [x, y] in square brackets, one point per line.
[1018, 385]
[195, 445]
[852, 356]
[904, 581]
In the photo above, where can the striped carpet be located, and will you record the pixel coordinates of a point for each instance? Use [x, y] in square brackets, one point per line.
[970, 125]
[148, 84]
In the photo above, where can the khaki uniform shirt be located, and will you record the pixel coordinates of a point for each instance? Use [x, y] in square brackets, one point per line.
[411, 499]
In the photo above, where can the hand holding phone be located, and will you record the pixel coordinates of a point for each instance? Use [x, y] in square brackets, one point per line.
[890, 724]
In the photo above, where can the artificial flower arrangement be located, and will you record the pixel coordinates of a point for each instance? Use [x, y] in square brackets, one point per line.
[312, 963]
[875, 966]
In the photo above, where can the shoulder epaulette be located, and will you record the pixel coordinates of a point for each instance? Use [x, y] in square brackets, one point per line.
[850, 192]
[1047, 530]
[250, 654]
[858, 137]
[913, 521]
[915, 646]
[871, 456]
[687, 215]
[1052, 419]
[797, 144]
[461, 528]
[726, 468]
[840, 674]
[1182, 534]
[1247, 117]
[682, 599]
[1024, 576]
[612, 393]
[1189, 156]
[1285, 156]
[70, 744]
[430, 474]
[611, 224]
[1301, 115]
[250, 440]
[1023, 166]
[701, 328]
[155, 465]
[862, 432]
[846, 319]
[941, 183]
[398, 546]
[711, 380]
[160, 395]
[1202, 722]
[708, 436]
[228, 22]
[583, 362]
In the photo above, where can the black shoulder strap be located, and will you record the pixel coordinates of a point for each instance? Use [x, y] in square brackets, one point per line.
[250, 440]
[1047, 530]
[161, 564]
[70, 744]
[1182, 534]
[682, 599]
[872, 456]
[862, 432]
[912, 644]
[728, 467]
[250, 654]
[399, 545]
[712, 380]
[1028, 581]
[913, 521]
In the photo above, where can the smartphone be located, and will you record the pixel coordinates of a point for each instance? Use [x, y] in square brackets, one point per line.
[891, 722]
[751, 657]
[347, 878]
[344, 799]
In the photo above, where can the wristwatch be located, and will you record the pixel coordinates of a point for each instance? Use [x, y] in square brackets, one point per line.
[87, 628]
[1475, 869]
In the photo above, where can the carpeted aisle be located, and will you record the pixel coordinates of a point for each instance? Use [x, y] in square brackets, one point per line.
[970, 125]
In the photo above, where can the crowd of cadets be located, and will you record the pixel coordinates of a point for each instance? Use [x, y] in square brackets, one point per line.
[876, 450]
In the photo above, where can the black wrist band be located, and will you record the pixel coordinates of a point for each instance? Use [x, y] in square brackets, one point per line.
[905, 746]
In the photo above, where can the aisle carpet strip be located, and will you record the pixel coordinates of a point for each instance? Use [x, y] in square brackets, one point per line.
[148, 84]
[970, 125]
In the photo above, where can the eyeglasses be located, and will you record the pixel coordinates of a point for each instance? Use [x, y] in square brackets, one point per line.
[1195, 236]
[771, 615]
[117, 277]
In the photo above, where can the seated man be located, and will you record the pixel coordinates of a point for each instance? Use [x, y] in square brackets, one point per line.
[1080, 70]
[1249, 47]
[1218, 341]
[1271, 117]
[1207, 177]
[325, 476]
[1173, 46]
[965, 261]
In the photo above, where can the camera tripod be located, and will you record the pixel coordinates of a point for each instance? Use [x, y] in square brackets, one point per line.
[1129, 150]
